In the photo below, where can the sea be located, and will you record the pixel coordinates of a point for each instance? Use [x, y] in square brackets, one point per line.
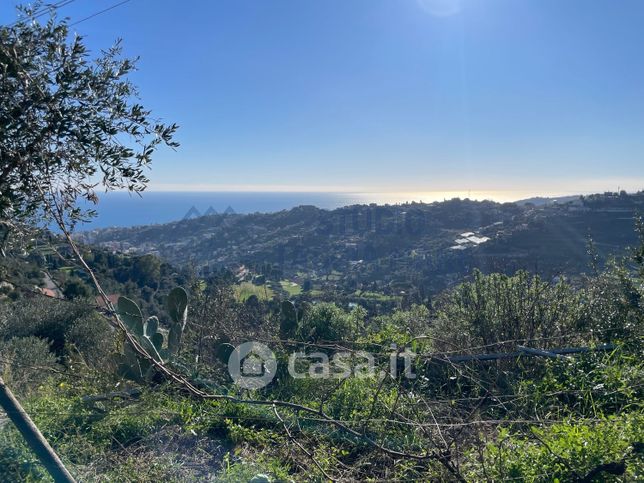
[122, 209]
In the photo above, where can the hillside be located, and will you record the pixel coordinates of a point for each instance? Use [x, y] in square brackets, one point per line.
[393, 248]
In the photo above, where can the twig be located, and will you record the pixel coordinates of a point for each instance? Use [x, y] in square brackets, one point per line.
[297, 443]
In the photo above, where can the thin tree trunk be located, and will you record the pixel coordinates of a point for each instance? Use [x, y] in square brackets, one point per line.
[33, 436]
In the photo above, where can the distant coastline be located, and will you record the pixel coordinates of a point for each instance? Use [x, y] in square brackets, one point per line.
[120, 209]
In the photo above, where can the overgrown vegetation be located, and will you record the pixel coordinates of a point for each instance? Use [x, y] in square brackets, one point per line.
[527, 419]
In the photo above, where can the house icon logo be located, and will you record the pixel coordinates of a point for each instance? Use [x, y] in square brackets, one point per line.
[252, 365]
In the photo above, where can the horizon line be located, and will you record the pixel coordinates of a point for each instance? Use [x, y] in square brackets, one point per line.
[400, 197]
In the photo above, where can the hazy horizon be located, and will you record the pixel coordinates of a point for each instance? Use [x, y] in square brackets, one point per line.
[155, 207]
[403, 196]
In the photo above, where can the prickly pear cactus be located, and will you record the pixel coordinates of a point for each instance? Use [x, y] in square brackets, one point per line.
[152, 340]
[130, 314]
[223, 349]
[177, 306]
[288, 320]
[130, 364]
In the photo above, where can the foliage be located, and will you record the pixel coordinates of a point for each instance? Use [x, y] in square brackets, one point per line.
[252, 471]
[146, 270]
[76, 288]
[638, 251]
[401, 325]
[62, 324]
[245, 290]
[26, 363]
[567, 451]
[352, 399]
[328, 322]
[217, 322]
[67, 121]
[619, 316]
[591, 385]
[491, 309]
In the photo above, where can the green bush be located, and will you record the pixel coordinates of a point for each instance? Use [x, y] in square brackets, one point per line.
[590, 385]
[26, 363]
[613, 304]
[353, 399]
[328, 322]
[497, 307]
[61, 323]
[400, 327]
[565, 451]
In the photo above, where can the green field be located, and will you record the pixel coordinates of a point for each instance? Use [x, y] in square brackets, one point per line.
[291, 288]
[246, 289]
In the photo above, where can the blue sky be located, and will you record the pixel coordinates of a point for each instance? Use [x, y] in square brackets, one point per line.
[543, 96]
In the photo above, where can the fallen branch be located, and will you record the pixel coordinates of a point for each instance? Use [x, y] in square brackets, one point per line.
[299, 445]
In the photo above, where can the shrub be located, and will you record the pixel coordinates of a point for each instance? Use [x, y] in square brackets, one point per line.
[328, 322]
[614, 304]
[17, 463]
[566, 451]
[589, 385]
[400, 326]
[497, 307]
[61, 323]
[75, 288]
[26, 363]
